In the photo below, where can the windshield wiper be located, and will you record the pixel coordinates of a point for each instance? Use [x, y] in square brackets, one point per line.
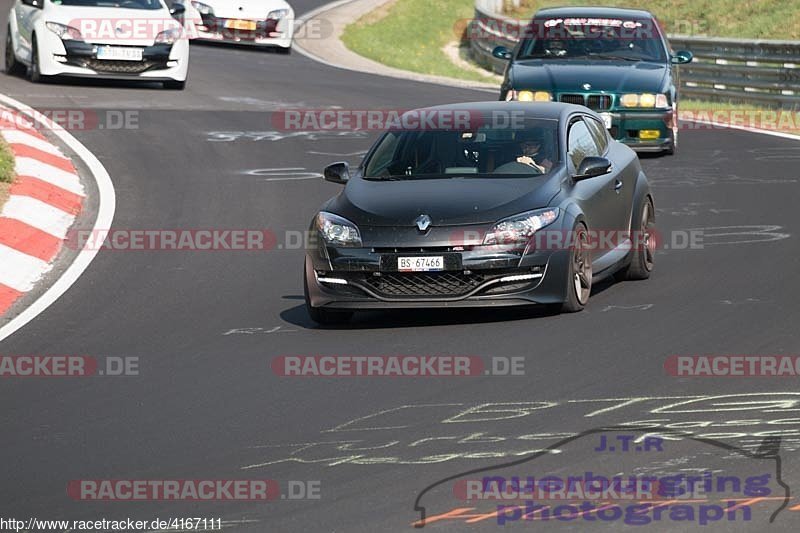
[611, 56]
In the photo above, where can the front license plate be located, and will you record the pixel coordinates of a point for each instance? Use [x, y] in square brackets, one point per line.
[236, 24]
[420, 264]
[116, 53]
[606, 119]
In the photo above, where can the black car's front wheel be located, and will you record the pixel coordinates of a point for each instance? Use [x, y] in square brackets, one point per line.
[579, 278]
[644, 246]
[324, 316]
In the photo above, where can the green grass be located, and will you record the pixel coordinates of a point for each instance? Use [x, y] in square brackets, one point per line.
[763, 19]
[6, 163]
[410, 34]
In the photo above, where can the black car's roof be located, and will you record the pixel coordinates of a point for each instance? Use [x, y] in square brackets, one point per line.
[597, 12]
[531, 110]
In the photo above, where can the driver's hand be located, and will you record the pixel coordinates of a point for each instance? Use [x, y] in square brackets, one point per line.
[526, 160]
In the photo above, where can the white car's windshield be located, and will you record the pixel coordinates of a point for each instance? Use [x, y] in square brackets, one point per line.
[127, 4]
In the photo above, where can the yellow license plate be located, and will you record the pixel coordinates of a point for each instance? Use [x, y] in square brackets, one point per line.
[649, 134]
[235, 24]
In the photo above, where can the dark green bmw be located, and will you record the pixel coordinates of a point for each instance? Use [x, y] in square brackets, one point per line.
[616, 62]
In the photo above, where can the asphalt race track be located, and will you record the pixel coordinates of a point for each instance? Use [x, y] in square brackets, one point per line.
[205, 326]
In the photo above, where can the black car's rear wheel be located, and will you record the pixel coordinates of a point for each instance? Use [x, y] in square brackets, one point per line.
[324, 316]
[644, 246]
[579, 279]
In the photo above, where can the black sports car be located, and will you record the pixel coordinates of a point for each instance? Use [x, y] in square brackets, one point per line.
[528, 203]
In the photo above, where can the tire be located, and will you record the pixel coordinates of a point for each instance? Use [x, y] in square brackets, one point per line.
[284, 51]
[12, 66]
[642, 256]
[673, 146]
[34, 73]
[579, 278]
[324, 317]
[175, 85]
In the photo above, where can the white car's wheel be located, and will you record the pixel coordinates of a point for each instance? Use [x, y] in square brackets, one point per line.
[34, 71]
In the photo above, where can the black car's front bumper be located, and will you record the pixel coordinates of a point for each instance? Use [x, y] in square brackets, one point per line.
[367, 278]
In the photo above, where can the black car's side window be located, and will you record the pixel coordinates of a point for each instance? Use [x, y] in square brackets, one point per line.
[580, 143]
[599, 134]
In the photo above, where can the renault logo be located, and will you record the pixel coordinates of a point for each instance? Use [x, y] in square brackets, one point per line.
[423, 222]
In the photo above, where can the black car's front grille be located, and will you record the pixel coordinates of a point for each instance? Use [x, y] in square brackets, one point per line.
[572, 99]
[424, 284]
[599, 101]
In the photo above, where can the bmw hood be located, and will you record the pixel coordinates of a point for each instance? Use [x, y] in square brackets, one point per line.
[448, 202]
[606, 75]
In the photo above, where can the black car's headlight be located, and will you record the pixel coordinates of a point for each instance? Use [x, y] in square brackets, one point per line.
[520, 228]
[67, 33]
[203, 9]
[338, 231]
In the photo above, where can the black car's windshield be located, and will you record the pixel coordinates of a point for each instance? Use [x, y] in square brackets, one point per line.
[127, 4]
[593, 38]
[529, 149]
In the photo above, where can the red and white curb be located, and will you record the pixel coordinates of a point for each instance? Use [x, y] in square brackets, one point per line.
[44, 201]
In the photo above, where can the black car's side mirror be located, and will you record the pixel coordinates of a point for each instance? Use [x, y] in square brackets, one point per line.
[682, 57]
[501, 52]
[337, 173]
[592, 167]
[177, 10]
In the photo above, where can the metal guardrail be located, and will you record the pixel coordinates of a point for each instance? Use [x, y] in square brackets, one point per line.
[731, 70]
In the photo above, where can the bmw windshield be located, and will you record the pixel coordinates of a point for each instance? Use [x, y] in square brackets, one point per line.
[593, 38]
[484, 152]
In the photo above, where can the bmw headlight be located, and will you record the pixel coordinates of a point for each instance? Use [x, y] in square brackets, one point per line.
[203, 9]
[67, 33]
[528, 96]
[169, 36]
[648, 100]
[338, 231]
[278, 14]
[520, 228]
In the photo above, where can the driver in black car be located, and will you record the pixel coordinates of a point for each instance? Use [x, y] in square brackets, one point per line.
[533, 155]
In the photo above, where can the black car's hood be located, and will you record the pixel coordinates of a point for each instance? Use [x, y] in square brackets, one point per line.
[602, 75]
[449, 202]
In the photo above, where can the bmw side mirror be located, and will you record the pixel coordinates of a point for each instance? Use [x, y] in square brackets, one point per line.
[337, 173]
[592, 167]
[682, 57]
[177, 10]
[501, 52]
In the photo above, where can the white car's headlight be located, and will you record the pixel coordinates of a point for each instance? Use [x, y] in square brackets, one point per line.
[278, 14]
[520, 228]
[67, 33]
[338, 231]
[169, 36]
[203, 9]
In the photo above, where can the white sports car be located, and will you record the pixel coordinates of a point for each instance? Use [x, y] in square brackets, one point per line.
[117, 39]
[254, 22]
